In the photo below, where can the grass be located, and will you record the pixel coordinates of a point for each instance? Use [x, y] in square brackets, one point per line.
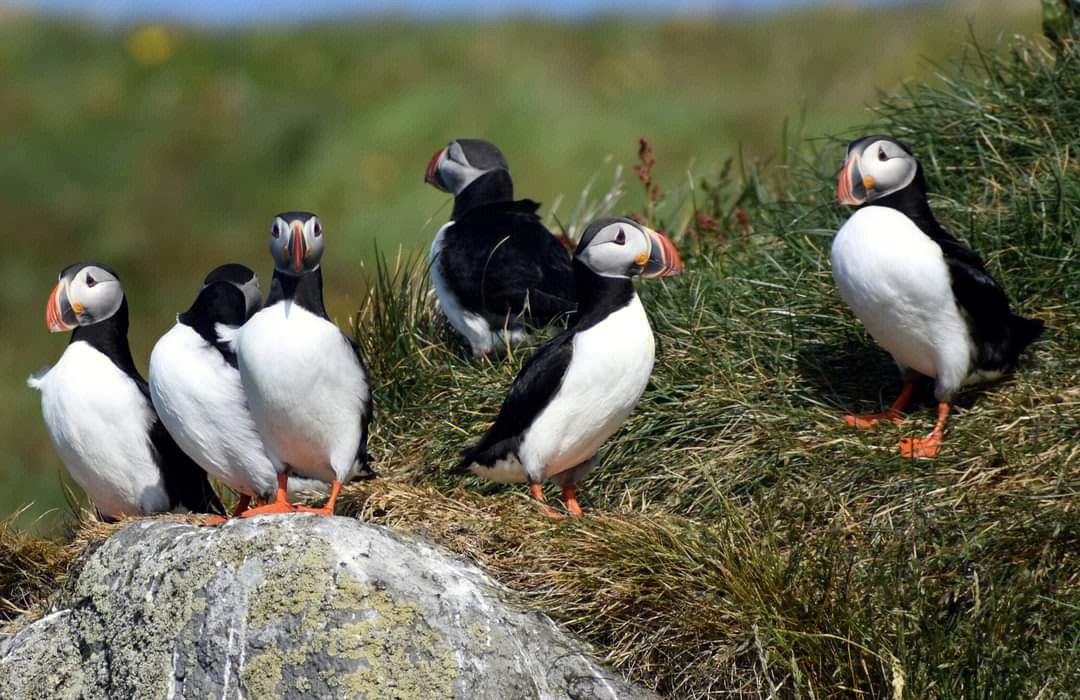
[739, 540]
[164, 151]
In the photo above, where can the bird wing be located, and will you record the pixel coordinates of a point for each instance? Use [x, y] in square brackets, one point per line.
[496, 259]
[533, 388]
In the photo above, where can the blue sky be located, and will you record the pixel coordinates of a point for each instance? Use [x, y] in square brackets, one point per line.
[246, 11]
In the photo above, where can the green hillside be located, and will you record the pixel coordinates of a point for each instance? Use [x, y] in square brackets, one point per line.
[165, 152]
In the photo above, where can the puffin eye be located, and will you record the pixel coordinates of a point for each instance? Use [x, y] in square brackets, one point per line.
[90, 281]
[620, 237]
[881, 154]
[275, 230]
[318, 229]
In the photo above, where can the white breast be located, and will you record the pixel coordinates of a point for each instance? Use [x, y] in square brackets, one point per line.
[198, 397]
[896, 281]
[99, 422]
[608, 371]
[305, 388]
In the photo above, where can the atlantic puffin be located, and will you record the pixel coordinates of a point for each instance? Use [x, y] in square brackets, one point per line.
[304, 379]
[494, 265]
[580, 386]
[923, 295]
[98, 411]
[195, 386]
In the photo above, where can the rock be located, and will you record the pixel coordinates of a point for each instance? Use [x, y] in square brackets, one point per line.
[291, 607]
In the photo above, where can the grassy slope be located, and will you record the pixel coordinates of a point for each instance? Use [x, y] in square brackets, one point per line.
[744, 541]
[167, 170]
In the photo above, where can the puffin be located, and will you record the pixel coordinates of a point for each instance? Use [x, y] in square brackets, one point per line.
[579, 387]
[195, 387]
[98, 411]
[494, 266]
[305, 381]
[924, 296]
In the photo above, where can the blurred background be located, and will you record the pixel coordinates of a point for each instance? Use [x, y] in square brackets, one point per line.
[160, 137]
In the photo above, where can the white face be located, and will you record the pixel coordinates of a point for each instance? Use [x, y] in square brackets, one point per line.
[296, 242]
[886, 168]
[83, 296]
[455, 167]
[619, 249]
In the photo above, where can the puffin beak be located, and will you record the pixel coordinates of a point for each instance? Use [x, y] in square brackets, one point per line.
[296, 247]
[664, 260]
[57, 308]
[851, 187]
[431, 176]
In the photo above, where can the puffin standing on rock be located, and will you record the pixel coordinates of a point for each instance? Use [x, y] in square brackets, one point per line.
[494, 264]
[923, 296]
[576, 391]
[97, 407]
[305, 382]
[195, 387]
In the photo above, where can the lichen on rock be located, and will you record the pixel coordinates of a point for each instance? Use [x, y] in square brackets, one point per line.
[296, 606]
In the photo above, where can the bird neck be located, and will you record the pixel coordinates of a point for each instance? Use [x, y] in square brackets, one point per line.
[911, 202]
[495, 186]
[109, 337]
[219, 302]
[598, 296]
[304, 290]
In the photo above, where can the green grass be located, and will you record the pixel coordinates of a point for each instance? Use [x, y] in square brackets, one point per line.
[165, 170]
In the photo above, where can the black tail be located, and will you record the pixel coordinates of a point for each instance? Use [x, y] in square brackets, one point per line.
[1022, 332]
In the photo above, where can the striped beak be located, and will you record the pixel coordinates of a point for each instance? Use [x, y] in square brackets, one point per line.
[664, 260]
[431, 176]
[297, 249]
[851, 187]
[59, 316]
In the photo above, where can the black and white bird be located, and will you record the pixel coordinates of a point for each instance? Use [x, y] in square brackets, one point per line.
[494, 265]
[923, 295]
[97, 407]
[576, 391]
[195, 386]
[305, 382]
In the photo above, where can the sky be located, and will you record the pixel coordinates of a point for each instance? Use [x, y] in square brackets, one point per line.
[234, 12]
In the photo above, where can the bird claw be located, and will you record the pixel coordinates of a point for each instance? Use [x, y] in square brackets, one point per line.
[916, 448]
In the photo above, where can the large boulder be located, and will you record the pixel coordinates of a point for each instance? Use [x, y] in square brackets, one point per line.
[291, 606]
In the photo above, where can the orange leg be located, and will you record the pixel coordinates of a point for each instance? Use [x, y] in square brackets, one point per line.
[328, 508]
[892, 414]
[569, 494]
[537, 492]
[930, 445]
[280, 504]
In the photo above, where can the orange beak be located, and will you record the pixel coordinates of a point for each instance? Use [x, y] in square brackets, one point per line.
[54, 314]
[296, 247]
[664, 260]
[431, 175]
[850, 189]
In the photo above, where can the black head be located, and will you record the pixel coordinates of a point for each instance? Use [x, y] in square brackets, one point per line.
[241, 277]
[454, 168]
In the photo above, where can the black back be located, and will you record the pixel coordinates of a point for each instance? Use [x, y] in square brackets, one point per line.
[305, 290]
[218, 302]
[998, 334]
[542, 374]
[500, 261]
[185, 482]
